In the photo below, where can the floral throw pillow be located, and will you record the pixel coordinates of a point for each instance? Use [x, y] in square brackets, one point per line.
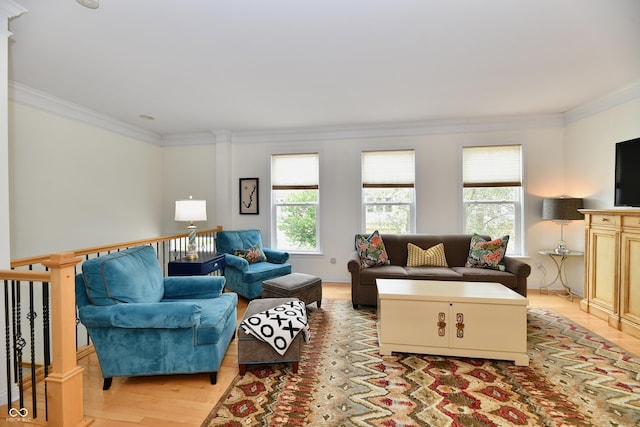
[253, 254]
[487, 254]
[432, 257]
[371, 250]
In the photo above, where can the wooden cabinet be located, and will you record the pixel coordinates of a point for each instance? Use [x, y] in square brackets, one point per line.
[612, 267]
[630, 281]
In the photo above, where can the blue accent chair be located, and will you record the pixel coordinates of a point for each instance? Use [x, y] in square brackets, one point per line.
[142, 323]
[242, 277]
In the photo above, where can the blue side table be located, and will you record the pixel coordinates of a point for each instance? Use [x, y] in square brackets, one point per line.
[205, 264]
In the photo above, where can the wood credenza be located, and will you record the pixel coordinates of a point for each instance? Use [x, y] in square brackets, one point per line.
[612, 267]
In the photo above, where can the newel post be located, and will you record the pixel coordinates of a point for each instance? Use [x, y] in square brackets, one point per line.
[64, 382]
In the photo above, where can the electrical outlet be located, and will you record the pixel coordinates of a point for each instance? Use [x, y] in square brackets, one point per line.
[332, 260]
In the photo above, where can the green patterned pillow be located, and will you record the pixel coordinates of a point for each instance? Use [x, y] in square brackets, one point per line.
[253, 254]
[487, 254]
[371, 250]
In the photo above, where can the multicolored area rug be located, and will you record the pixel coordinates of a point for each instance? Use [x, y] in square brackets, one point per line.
[575, 378]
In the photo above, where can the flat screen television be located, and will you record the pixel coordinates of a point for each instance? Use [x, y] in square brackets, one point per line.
[627, 180]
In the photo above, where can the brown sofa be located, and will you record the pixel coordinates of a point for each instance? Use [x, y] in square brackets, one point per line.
[363, 281]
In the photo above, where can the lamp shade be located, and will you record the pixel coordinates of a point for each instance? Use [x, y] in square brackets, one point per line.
[191, 210]
[562, 208]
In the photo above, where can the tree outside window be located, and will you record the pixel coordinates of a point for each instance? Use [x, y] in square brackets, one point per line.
[388, 210]
[297, 217]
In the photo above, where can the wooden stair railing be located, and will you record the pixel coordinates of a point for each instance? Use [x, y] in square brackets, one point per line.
[64, 382]
[181, 248]
[64, 388]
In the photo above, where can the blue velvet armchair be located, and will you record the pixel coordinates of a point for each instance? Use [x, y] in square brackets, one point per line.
[142, 323]
[245, 277]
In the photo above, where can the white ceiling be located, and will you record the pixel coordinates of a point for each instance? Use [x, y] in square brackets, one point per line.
[202, 65]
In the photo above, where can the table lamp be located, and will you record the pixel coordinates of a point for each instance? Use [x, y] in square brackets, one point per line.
[190, 211]
[562, 210]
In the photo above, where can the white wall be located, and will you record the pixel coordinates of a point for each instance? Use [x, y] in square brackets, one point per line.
[188, 171]
[438, 197]
[67, 176]
[589, 166]
[74, 185]
[591, 142]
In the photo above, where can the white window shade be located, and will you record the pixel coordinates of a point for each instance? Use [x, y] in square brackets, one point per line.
[388, 169]
[294, 171]
[492, 166]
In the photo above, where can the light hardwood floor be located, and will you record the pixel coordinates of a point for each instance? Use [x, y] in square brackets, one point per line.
[185, 400]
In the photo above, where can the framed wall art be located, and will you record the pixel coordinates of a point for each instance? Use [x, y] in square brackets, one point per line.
[249, 196]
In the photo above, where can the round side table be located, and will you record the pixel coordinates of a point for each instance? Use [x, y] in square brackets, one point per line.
[559, 259]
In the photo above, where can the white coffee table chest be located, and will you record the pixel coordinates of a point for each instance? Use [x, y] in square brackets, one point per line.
[466, 319]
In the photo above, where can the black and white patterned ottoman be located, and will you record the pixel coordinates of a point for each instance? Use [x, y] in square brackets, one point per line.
[252, 351]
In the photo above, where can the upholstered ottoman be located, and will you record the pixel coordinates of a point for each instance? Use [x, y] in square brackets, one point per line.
[252, 351]
[305, 287]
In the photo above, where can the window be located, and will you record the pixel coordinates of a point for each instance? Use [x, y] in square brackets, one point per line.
[388, 181]
[492, 192]
[295, 200]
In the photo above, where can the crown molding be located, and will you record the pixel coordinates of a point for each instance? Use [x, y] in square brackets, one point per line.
[603, 103]
[41, 100]
[189, 139]
[445, 126]
[9, 9]
[34, 98]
